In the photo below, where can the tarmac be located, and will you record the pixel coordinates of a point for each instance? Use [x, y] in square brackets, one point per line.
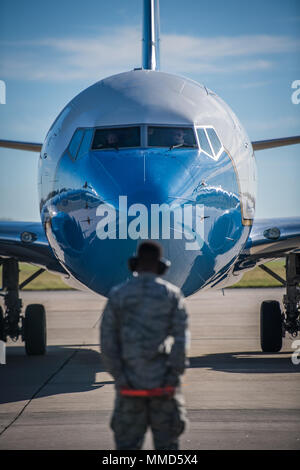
[236, 396]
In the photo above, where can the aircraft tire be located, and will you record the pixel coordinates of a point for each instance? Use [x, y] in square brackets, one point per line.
[2, 335]
[270, 326]
[35, 330]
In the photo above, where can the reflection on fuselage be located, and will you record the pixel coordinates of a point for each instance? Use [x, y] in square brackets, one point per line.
[98, 178]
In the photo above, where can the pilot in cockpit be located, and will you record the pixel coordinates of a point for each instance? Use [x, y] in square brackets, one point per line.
[112, 140]
[178, 137]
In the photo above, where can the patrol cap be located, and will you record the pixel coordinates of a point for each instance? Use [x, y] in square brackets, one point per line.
[149, 251]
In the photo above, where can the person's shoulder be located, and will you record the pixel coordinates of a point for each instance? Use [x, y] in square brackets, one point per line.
[119, 288]
[170, 288]
[123, 287]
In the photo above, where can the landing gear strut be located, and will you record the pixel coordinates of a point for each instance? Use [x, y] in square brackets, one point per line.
[273, 323]
[31, 327]
[291, 300]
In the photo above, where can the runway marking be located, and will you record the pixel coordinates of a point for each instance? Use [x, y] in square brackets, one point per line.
[38, 391]
[98, 321]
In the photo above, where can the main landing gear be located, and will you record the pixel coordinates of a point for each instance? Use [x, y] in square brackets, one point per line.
[31, 327]
[273, 322]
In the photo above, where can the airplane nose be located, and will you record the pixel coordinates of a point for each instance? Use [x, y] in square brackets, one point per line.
[142, 176]
[124, 216]
[128, 196]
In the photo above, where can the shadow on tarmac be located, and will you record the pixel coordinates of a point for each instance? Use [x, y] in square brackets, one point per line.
[251, 362]
[73, 369]
[64, 369]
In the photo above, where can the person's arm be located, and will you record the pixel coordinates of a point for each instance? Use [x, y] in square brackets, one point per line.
[110, 344]
[179, 331]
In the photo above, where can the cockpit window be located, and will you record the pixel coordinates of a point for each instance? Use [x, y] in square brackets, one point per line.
[214, 140]
[204, 143]
[75, 142]
[172, 137]
[209, 142]
[85, 143]
[117, 137]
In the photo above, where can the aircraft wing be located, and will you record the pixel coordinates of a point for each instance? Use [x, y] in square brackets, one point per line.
[269, 239]
[16, 144]
[27, 242]
[268, 144]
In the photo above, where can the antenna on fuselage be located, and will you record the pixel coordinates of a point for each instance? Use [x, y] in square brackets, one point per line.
[150, 59]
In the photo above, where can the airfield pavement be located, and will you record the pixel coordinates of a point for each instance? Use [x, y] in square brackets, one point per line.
[237, 397]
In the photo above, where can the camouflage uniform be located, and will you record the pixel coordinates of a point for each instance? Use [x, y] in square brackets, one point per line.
[140, 315]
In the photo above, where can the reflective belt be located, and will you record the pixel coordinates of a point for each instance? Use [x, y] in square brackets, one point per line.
[153, 392]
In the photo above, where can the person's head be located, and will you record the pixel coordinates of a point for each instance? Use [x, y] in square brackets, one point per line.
[112, 138]
[149, 254]
[149, 259]
[178, 136]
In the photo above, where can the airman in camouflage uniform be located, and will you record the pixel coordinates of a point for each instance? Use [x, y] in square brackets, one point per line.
[143, 344]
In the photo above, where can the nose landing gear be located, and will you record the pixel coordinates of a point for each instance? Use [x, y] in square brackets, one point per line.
[31, 327]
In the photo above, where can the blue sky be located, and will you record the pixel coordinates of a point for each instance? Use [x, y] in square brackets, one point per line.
[246, 51]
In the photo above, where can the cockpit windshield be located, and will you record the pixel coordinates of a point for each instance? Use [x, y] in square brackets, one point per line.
[116, 137]
[172, 137]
